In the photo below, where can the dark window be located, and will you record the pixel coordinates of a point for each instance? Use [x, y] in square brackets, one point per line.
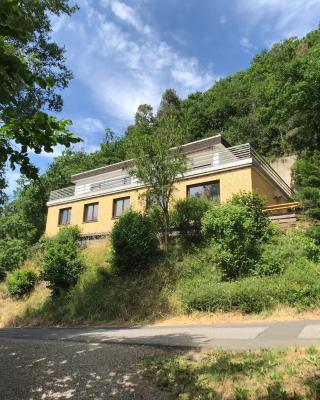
[91, 212]
[210, 190]
[65, 216]
[120, 206]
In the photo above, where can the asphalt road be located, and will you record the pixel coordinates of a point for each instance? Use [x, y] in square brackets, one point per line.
[228, 336]
[89, 363]
[33, 369]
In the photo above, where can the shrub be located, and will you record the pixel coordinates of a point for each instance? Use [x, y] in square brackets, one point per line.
[306, 171]
[187, 215]
[238, 230]
[68, 234]
[12, 254]
[135, 243]
[20, 283]
[247, 295]
[313, 232]
[62, 263]
[298, 287]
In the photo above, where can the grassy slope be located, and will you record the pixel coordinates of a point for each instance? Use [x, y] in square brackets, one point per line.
[269, 374]
[186, 289]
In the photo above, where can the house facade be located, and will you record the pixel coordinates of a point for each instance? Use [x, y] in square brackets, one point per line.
[215, 170]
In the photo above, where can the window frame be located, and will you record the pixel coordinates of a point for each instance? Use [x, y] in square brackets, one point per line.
[68, 220]
[217, 181]
[85, 212]
[114, 203]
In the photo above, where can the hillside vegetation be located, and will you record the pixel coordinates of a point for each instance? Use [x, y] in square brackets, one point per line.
[251, 268]
[273, 105]
[226, 259]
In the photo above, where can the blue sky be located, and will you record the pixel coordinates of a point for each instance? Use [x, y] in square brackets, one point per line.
[124, 53]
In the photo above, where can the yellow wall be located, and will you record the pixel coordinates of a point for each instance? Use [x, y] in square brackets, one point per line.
[105, 220]
[231, 182]
[263, 186]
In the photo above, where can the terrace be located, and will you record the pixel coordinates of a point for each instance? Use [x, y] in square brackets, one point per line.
[211, 159]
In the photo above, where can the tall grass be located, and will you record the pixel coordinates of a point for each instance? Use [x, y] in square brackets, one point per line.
[101, 295]
[189, 281]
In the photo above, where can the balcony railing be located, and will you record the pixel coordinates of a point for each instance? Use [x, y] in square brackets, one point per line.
[216, 157]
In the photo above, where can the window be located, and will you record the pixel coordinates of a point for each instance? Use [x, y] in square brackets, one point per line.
[210, 190]
[120, 206]
[65, 216]
[91, 212]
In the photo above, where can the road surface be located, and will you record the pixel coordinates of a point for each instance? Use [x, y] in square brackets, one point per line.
[89, 363]
[33, 369]
[228, 336]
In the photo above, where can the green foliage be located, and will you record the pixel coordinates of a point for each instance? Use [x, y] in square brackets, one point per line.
[238, 375]
[12, 253]
[313, 232]
[32, 71]
[62, 263]
[307, 178]
[249, 107]
[187, 215]
[237, 231]
[21, 283]
[68, 234]
[158, 159]
[284, 275]
[135, 243]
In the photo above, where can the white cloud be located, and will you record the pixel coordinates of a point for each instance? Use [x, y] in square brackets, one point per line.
[128, 14]
[222, 20]
[123, 68]
[279, 19]
[246, 45]
[87, 125]
[245, 42]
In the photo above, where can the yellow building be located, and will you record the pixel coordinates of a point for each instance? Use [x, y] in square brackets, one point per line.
[215, 170]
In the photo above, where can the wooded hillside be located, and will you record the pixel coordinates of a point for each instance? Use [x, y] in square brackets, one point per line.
[274, 105]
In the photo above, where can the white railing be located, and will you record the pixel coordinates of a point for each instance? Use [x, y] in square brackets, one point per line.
[215, 157]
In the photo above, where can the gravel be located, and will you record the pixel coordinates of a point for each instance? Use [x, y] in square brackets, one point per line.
[52, 369]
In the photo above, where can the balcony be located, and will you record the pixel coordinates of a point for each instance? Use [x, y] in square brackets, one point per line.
[212, 159]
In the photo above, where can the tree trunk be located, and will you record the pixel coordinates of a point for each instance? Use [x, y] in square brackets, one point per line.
[166, 228]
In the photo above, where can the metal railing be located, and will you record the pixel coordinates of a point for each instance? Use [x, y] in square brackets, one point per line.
[215, 157]
[62, 193]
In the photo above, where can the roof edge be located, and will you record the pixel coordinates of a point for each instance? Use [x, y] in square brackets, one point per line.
[187, 148]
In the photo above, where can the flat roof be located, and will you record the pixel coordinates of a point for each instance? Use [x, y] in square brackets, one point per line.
[187, 148]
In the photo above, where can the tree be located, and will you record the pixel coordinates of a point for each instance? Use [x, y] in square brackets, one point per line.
[32, 72]
[170, 105]
[307, 179]
[158, 163]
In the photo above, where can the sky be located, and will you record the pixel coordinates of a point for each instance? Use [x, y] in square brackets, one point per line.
[126, 53]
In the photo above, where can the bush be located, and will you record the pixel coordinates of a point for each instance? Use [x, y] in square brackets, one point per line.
[306, 171]
[135, 243]
[299, 287]
[246, 295]
[68, 234]
[21, 283]
[285, 275]
[313, 232]
[62, 263]
[12, 254]
[187, 215]
[238, 230]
